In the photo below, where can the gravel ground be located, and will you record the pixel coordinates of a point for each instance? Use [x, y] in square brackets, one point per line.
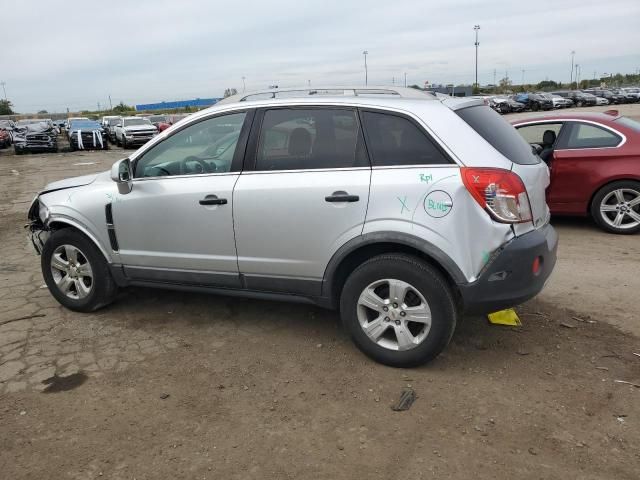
[179, 385]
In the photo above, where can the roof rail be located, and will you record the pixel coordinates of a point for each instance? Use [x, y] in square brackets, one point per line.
[349, 91]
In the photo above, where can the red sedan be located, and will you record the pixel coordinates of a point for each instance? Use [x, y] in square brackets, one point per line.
[594, 159]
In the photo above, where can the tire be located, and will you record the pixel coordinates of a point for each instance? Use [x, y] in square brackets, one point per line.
[92, 295]
[505, 108]
[124, 143]
[610, 197]
[535, 107]
[118, 142]
[427, 287]
[579, 104]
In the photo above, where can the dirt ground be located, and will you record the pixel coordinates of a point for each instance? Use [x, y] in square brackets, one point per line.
[179, 385]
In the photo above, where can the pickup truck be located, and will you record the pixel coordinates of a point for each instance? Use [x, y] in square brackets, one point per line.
[134, 131]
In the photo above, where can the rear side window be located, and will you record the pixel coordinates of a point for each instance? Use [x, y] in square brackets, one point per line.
[393, 140]
[585, 135]
[300, 139]
[499, 133]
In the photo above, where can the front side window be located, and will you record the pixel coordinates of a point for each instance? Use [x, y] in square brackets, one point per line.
[586, 135]
[300, 139]
[534, 134]
[204, 147]
[395, 140]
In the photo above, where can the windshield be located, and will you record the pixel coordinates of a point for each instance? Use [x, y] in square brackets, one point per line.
[499, 133]
[114, 121]
[135, 121]
[157, 118]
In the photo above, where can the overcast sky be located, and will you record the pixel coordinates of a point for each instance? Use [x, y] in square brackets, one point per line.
[74, 54]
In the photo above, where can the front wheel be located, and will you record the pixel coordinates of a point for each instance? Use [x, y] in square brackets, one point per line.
[398, 309]
[76, 272]
[616, 207]
[124, 142]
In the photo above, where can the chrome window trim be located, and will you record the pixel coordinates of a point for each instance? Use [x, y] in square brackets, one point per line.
[167, 177]
[306, 170]
[578, 120]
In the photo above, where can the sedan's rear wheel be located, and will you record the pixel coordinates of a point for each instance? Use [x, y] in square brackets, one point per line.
[398, 309]
[616, 207]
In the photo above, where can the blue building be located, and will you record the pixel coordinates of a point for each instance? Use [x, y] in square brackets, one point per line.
[197, 103]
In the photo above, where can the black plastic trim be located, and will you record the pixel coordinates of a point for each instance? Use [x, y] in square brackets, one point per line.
[289, 285]
[509, 280]
[389, 237]
[182, 277]
[111, 231]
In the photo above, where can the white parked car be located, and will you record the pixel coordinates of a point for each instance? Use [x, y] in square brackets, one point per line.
[134, 131]
[399, 209]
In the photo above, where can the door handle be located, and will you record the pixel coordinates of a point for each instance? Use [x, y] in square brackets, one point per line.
[213, 200]
[341, 196]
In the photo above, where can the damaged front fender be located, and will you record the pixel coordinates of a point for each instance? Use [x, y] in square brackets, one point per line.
[39, 231]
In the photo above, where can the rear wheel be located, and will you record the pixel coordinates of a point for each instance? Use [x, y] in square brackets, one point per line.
[616, 207]
[398, 309]
[535, 106]
[76, 272]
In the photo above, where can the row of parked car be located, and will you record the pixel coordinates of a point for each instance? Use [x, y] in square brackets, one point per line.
[562, 99]
[40, 135]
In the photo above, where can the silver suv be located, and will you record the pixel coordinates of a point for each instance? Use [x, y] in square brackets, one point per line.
[400, 209]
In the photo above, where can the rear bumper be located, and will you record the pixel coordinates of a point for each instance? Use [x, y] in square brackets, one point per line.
[508, 279]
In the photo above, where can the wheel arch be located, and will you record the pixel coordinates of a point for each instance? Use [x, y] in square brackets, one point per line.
[58, 224]
[359, 249]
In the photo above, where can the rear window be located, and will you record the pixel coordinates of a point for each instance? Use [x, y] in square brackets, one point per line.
[499, 133]
[627, 122]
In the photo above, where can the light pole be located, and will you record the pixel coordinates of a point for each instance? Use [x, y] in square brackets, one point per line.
[3, 89]
[366, 73]
[405, 79]
[523, 77]
[244, 86]
[476, 28]
[577, 75]
[573, 53]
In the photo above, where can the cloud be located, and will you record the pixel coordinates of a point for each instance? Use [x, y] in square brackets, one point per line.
[78, 53]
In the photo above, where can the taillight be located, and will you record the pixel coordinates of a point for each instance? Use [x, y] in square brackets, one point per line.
[499, 192]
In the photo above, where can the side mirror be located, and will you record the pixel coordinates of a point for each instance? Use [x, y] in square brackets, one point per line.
[119, 125]
[122, 175]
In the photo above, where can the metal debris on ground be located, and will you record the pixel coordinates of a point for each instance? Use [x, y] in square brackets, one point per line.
[407, 397]
[567, 325]
[164, 396]
[505, 317]
[624, 382]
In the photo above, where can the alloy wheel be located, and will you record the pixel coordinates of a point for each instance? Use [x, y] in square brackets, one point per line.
[620, 208]
[71, 272]
[394, 314]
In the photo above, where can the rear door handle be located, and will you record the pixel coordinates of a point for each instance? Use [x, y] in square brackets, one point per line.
[213, 200]
[341, 196]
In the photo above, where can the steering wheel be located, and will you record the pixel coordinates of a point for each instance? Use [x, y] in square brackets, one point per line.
[184, 168]
[162, 170]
